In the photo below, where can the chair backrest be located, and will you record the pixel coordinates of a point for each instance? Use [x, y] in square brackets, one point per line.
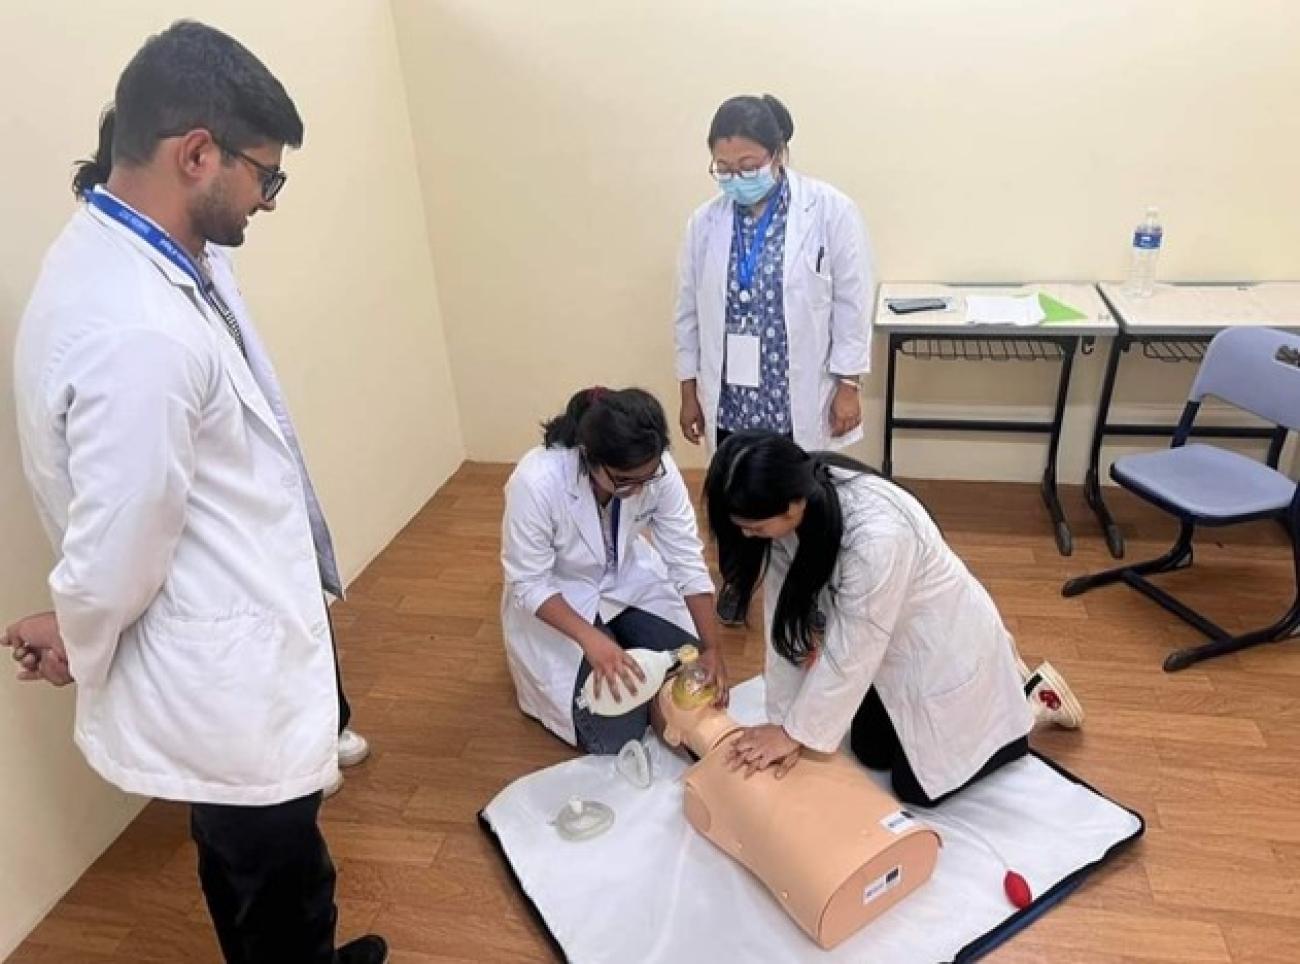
[1255, 369]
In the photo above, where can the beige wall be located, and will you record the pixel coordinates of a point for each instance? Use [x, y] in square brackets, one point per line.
[339, 279]
[561, 147]
[560, 150]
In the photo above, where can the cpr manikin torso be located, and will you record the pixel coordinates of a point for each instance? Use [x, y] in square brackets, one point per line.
[835, 850]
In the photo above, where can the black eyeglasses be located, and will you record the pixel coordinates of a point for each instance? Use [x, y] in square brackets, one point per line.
[624, 484]
[722, 173]
[273, 178]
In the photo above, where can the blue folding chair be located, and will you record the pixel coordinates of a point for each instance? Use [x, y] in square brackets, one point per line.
[1258, 371]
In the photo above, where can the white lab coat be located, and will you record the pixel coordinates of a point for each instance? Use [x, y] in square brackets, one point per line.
[903, 614]
[190, 549]
[551, 542]
[827, 313]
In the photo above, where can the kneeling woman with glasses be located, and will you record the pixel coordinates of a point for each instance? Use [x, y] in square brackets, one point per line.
[582, 585]
[875, 629]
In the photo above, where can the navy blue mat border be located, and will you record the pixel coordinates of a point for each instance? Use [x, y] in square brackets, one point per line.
[973, 951]
[1023, 918]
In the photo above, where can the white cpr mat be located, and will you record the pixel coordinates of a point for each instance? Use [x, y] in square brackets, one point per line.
[651, 889]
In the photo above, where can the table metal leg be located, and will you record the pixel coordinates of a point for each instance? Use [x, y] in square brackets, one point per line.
[1061, 528]
[887, 461]
[1092, 481]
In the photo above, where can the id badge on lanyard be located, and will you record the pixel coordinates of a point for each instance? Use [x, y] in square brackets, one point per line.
[743, 368]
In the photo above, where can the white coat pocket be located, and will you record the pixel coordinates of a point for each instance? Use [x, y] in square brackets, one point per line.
[187, 677]
[818, 283]
[963, 714]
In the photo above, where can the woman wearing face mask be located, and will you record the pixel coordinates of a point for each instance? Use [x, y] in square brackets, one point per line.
[876, 630]
[775, 290]
[581, 584]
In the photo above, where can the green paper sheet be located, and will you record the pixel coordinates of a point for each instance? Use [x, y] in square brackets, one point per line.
[1057, 311]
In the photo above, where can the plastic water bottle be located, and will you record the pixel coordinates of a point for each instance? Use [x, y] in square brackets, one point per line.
[1147, 238]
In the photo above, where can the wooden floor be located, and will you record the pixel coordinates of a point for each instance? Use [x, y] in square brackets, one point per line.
[1210, 756]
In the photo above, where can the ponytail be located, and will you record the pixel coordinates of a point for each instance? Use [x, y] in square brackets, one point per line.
[562, 430]
[92, 172]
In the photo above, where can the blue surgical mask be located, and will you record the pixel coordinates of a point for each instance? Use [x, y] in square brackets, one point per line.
[747, 191]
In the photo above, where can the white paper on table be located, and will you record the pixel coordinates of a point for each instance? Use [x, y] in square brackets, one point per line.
[1021, 311]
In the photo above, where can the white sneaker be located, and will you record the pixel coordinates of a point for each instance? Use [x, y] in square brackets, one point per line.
[1050, 697]
[353, 748]
[334, 787]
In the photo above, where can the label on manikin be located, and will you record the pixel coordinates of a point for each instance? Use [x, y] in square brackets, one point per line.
[899, 821]
[882, 885]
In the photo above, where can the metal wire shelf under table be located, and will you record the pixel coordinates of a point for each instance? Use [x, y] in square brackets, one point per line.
[982, 349]
[1175, 351]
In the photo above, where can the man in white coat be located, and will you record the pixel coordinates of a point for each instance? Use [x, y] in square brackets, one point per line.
[191, 550]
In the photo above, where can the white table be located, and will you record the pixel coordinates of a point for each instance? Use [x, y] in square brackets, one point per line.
[1204, 310]
[945, 335]
[1175, 324]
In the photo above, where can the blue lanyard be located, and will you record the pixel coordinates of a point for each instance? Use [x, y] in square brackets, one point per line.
[154, 236]
[747, 258]
[161, 241]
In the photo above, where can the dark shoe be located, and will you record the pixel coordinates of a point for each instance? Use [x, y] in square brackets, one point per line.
[730, 612]
[371, 949]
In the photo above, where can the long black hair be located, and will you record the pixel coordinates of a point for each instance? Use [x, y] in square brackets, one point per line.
[755, 476]
[620, 429]
[95, 169]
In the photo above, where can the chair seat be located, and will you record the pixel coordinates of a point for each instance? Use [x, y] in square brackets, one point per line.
[1207, 482]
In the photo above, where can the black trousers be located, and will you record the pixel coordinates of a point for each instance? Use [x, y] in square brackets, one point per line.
[345, 708]
[266, 873]
[875, 742]
[268, 880]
